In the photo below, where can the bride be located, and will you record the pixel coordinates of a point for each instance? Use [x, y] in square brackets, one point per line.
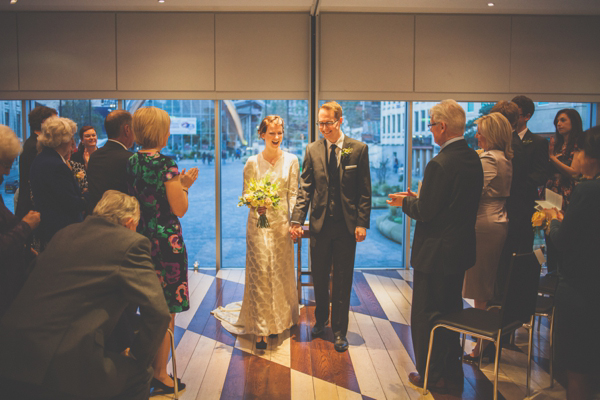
[270, 304]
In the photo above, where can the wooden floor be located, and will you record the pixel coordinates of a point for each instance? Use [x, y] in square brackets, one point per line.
[215, 364]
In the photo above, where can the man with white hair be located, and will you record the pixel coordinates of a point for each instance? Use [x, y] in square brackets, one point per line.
[55, 331]
[444, 242]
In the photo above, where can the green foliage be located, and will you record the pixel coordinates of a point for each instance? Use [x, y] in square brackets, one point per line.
[471, 127]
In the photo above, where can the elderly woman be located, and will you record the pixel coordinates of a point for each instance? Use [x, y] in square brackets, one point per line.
[14, 233]
[162, 191]
[494, 136]
[577, 238]
[56, 194]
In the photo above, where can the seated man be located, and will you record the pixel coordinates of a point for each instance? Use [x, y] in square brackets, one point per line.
[53, 334]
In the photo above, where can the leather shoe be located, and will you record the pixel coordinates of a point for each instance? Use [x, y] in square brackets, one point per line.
[415, 379]
[318, 329]
[340, 344]
[159, 388]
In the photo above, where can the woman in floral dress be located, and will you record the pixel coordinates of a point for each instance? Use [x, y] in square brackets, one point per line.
[162, 191]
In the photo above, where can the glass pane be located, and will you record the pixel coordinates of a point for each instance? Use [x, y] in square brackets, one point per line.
[369, 122]
[83, 112]
[239, 140]
[542, 123]
[10, 115]
[192, 144]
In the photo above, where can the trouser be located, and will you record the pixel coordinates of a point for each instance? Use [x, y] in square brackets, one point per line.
[333, 245]
[435, 295]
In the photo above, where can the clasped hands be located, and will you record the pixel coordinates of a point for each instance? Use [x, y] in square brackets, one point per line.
[360, 233]
[397, 198]
[553, 213]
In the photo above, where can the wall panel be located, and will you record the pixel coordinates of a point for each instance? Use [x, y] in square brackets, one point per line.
[462, 53]
[555, 55]
[262, 52]
[67, 51]
[366, 52]
[165, 51]
[9, 60]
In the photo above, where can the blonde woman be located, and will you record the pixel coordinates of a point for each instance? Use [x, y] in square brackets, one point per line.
[162, 191]
[494, 136]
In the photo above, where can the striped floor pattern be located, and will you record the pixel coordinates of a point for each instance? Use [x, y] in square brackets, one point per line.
[217, 365]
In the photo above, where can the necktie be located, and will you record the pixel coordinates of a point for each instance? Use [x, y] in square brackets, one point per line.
[332, 167]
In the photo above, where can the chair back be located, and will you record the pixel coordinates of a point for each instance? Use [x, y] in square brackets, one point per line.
[521, 291]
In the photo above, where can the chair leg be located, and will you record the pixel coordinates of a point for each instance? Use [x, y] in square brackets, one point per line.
[428, 359]
[551, 339]
[529, 351]
[496, 363]
[174, 363]
[464, 337]
[480, 341]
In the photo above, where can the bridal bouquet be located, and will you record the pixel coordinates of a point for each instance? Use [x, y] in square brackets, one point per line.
[261, 193]
[539, 221]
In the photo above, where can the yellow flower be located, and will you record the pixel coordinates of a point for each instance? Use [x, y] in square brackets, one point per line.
[538, 219]
[268, 202]
[479, 151]
[254, 203]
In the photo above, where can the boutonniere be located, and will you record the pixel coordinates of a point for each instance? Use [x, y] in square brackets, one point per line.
[526, 142]
[346, 152]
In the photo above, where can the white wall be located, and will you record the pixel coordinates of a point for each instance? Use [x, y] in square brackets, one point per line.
[361, 56]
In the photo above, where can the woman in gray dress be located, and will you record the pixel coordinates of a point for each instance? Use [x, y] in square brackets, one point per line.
[494, 135]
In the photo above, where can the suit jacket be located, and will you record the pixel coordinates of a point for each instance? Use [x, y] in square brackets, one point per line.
[24, 203]
[106, 170]
[530, 170]
[81, 283]
[355, 186]
[56, 194]
[446, 211]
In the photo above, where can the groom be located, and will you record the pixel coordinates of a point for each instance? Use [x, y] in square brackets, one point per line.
[336, 180]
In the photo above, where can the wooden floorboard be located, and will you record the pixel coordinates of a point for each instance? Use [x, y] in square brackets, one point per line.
[215, 364]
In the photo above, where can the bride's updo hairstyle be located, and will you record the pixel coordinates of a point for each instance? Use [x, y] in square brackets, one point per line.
[497, 132]
[268, 120]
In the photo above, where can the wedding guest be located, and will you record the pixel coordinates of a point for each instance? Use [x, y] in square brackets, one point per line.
[510, 111]
[107, 166]
[562, 148]
[14, 232]
[577, 237]
[56, 194]
[162, 191]
[444, 243]
[494, 136]
[270, 304]
[37, 116]
[530, 171]
[88, 139]
[54, 333]
[336, 186]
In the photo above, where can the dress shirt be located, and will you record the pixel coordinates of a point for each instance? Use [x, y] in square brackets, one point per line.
[455, 139]
[116, 141]
[339, 144]
[522, 133]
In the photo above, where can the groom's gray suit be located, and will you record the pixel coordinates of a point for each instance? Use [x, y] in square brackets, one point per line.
[333, 223]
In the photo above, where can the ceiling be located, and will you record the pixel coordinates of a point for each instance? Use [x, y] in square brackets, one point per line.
[556, 7]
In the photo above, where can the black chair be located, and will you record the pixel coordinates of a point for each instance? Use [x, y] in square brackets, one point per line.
[518, 308]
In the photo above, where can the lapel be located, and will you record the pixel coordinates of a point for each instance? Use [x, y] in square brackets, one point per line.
[322, 156]
[344, 160]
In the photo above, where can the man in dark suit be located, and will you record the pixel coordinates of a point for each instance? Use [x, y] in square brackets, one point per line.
[336, 185]
[55, 330]
[444, 241]
[106, 166]
[530, 168]
[37, 116]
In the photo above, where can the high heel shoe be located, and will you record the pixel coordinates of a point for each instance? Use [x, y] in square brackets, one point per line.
[262, 345]
[160, 388]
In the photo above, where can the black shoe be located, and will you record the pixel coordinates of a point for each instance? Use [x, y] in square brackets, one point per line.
[262, 345]
[318, 329]
[273, 335]
[340, 344]
[159, 388]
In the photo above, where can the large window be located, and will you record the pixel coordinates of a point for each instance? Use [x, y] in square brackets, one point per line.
[10, 115]
[192, 144]
[239, 141]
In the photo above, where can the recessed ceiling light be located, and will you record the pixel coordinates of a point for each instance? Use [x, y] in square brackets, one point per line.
[13, 1]
[491, 4]
[161, 1]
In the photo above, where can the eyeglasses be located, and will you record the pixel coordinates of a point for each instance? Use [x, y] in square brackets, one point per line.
[328, 123]
[429, 125]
